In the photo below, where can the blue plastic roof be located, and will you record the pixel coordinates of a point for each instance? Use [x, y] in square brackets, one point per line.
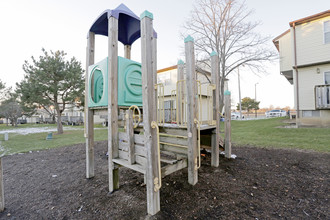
[128, 24]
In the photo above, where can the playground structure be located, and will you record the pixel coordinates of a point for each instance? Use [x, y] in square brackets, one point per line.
[128, 93]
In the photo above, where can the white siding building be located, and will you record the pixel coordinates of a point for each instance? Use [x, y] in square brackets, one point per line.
[168, 77]
[305, 61]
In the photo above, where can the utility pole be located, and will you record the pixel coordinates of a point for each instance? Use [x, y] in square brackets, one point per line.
[255, 97]
[239, 95]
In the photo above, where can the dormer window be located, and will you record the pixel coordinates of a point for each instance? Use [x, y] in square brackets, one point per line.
[327, 32]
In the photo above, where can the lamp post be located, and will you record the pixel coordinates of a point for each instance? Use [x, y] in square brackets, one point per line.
[239, 95]
[255, 97]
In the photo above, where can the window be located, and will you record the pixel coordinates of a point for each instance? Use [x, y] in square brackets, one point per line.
[308, 113]
[327, 78]
[327, 32]
[327, 82]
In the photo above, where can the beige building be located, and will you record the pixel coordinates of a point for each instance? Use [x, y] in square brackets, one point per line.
[169, 77]
[305, 62]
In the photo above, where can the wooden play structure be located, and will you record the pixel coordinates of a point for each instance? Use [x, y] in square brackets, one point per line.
[138, 137]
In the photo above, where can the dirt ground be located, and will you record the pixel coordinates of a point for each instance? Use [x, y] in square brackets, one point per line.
[258, 184]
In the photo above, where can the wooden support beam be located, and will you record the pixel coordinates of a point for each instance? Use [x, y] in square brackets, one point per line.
[149, 111]
[113, 102]
[216, 109]
[130, 135]
[89, 113]
[180, 92]
[154, 76]
[127, 51]
[2, 195]
[191, 110]
[227, 124]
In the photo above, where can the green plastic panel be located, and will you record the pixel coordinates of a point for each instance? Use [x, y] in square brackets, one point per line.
[98, 84]
[129, 83]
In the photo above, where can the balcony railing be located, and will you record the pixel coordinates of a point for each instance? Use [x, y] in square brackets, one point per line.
[322, 97]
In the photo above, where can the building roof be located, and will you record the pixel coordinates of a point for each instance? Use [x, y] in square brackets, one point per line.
[275, 41]
[310, 18]
[301, 21]
[128, 24]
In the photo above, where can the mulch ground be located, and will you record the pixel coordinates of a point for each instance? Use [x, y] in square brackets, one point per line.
[258, 184]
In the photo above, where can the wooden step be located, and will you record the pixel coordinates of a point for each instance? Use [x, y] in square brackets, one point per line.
[136, 167]
[171, 168]
[169, 161]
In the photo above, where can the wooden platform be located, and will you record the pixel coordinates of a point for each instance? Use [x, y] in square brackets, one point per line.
[173, 157]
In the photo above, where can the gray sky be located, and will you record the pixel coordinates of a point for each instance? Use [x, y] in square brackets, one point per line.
[28, 26]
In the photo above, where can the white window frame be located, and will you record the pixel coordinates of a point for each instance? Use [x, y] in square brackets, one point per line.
[325, 32]
[328, 71]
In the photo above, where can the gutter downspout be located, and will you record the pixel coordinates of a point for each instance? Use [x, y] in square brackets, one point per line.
[295, 66]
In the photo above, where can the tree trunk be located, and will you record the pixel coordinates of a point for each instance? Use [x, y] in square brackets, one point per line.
[222, 83]
[221, 103]
[59, 119]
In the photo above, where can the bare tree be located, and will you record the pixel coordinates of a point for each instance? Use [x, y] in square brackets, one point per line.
[11, 110]
[4, 91]
[223, 26]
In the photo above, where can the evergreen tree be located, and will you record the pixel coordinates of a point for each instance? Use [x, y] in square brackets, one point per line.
[51, 81]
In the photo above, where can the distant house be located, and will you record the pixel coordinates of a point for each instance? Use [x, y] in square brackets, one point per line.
[169, 77]
[305, 62]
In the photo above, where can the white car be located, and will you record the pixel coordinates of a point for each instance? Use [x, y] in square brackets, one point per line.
[235, 115]
[275, 113]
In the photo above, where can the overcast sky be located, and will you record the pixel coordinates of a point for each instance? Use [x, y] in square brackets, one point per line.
[28, 26]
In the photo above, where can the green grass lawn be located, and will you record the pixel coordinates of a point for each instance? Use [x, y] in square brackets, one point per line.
[9, 127]
[259, 133]
[268, 133]
[24, 143]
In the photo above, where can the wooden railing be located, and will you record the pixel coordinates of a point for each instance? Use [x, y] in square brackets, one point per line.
[322, 97]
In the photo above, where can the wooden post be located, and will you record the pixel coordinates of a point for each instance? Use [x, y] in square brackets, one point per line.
[130, 136]
[127, 51]
[113, 102]
[154, 66]
[191, 110]
[89, 114]
[2, 196]
[227, 124]
[149, 109]
[216, 104]
[180, 92]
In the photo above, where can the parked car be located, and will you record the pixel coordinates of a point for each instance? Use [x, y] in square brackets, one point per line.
[275, 113]
[235, 115]
[21, 121]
